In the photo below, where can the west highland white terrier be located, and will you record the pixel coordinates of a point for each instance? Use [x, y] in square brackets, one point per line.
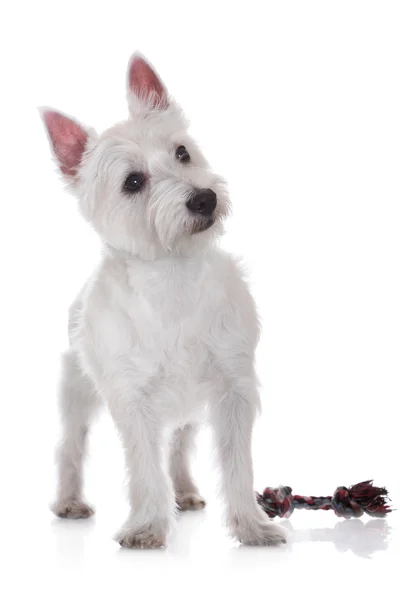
[165, 330]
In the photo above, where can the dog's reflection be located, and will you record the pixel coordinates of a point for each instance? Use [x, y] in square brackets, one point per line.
[361, 538]
[70, 535]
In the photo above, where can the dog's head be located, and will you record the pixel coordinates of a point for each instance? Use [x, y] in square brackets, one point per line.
[143, 184]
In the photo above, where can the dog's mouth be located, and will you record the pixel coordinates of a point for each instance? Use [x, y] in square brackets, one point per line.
[202, 224]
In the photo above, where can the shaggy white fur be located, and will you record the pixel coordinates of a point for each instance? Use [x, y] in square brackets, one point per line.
[165, 330]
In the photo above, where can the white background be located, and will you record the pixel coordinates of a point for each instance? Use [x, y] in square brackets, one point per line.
[297, 104]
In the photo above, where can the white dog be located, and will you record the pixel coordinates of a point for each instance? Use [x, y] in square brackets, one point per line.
[166, 329]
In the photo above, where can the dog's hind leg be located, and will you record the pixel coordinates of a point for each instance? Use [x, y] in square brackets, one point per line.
[186, 493]
[78, 403]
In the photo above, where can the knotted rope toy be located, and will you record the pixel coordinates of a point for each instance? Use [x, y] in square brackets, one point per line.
[349, 502]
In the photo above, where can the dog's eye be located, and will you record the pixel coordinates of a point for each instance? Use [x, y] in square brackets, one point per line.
[134, 182]
[182, 154]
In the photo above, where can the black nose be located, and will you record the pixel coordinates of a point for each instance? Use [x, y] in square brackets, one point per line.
[203, 202]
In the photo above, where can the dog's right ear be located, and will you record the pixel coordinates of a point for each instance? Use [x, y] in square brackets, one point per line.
[68, 140]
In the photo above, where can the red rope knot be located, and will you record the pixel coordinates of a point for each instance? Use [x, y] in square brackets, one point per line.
[277, 502]
[361, 498]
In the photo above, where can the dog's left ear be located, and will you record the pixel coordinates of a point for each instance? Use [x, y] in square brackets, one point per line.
[145, 86]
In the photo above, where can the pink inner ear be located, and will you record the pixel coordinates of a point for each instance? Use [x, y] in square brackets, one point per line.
[68, 139]
[145, 83]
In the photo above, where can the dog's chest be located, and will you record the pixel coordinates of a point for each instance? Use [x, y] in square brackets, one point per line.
[171, 307]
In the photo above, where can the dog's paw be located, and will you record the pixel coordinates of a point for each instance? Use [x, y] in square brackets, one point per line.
[190, 501]
[141, 539]
[259, 532]
[150, 536]
[70, 508]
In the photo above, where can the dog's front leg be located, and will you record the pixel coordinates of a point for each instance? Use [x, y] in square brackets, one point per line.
[232, 340]
[132, 401]
[232, 418]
